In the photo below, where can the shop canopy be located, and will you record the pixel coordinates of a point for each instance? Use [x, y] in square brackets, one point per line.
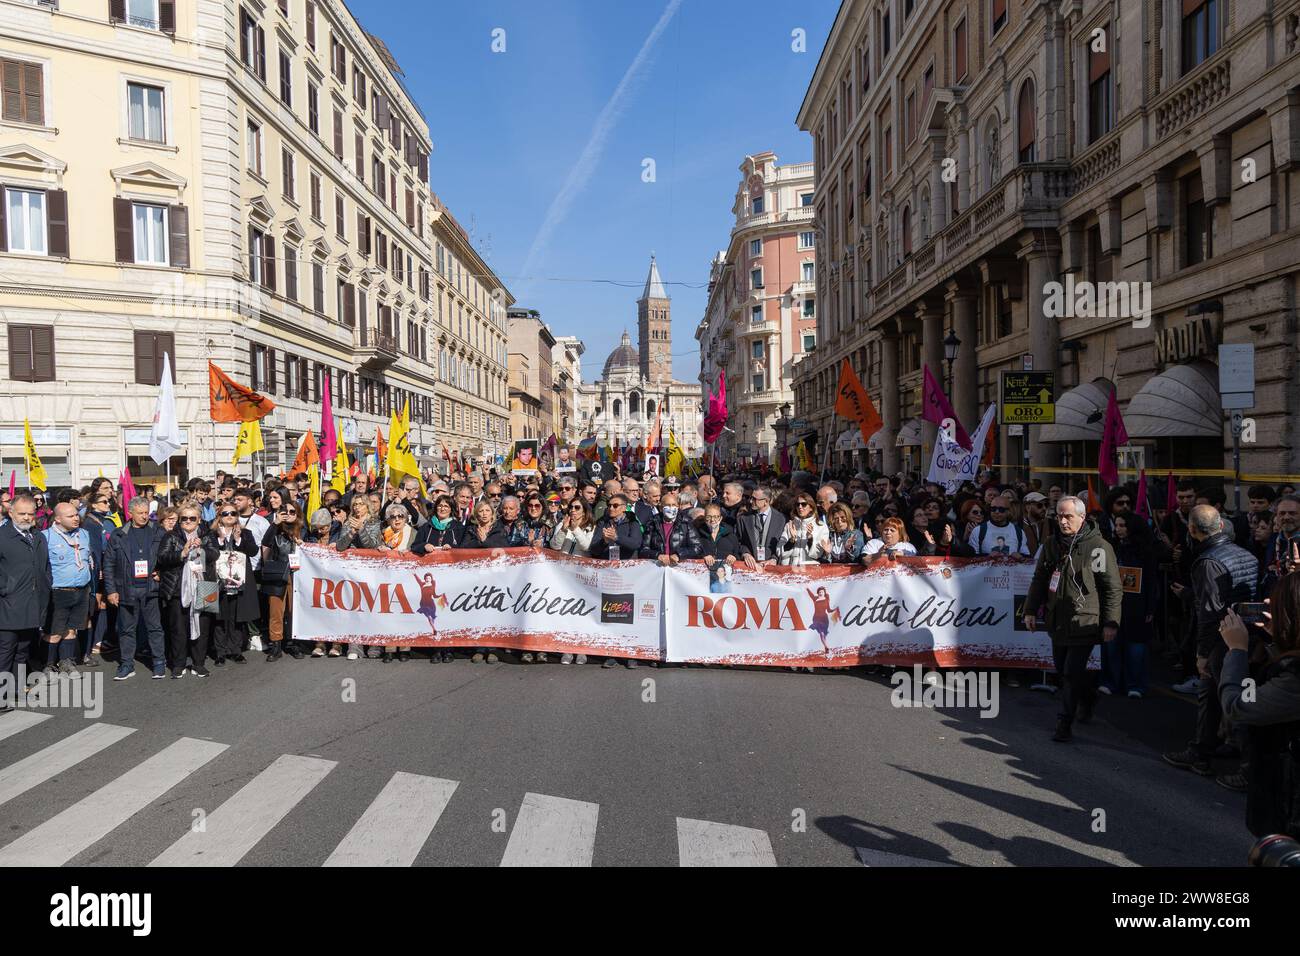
[909, 433]
[1180, 402]
[1080, 413]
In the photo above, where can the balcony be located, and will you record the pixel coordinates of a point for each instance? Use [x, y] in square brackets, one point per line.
[761, 327]
[377, 350]
[803, 290]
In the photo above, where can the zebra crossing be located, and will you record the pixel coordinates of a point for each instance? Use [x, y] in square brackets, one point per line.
[547, 830]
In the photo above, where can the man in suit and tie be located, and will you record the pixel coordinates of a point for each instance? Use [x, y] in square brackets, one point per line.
[760, 530]
[25, 584]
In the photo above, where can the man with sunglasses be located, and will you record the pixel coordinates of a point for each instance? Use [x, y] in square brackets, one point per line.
[617, 529]
[998, 534]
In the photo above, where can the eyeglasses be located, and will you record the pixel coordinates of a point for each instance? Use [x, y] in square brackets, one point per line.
[229, 514]
[577, 510]
[616, 505]
[1123, 502]
[397, 517]
[189, 517]
[534, 504]
[803, 504]
[998, 511]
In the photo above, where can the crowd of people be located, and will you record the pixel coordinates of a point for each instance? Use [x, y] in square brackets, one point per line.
[202, 575]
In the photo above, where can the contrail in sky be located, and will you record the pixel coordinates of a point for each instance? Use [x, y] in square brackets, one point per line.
[582, 170]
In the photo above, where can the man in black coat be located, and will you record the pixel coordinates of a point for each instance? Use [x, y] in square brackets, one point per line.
[671, 537]
[617, 528]
[760, 530]
[131, 580]
[25, 585]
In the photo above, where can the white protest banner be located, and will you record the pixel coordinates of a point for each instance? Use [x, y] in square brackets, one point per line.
[513, 598]
[951, 464]
[910, 611]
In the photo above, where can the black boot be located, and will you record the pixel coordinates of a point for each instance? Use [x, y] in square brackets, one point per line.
[1085, 710]
[276, 651]
[293, 650]
[1063, 732]
[388, 655]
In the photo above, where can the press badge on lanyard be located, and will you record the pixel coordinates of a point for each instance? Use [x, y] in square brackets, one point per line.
[141, 570]
[1055, 582]
[295, 561]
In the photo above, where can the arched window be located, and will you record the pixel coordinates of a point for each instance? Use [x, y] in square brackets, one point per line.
[633, 403]
[1027, 145]
[649, 408]
[618, 408]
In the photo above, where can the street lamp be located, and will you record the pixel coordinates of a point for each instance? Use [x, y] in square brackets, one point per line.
[951, 345]
[782, 426]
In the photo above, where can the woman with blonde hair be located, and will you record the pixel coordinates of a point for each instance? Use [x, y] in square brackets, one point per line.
[361, 530]
[891, 544]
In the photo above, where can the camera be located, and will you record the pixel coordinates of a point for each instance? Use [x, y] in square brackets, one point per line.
[1276, 849]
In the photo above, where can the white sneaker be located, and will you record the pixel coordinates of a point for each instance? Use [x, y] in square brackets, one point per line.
[1189, 686]
[353, 653]
[254, 643]
[1135, 694]
[580, 659]
[1103, 689]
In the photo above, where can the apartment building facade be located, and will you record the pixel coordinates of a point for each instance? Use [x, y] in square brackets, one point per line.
[566, 365]
[532, 382]
[762, 307]
[971, 153]
[237, 182]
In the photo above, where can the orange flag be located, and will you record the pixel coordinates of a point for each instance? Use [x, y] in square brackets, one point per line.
[381, 447]
[1094, 506]
[308, 455]
[853, 403]
[232, 402]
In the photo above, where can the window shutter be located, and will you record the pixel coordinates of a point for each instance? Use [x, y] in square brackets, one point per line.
[1191, 6]
[254, 378]
[144, 358]
[245, 54]
[178, 239]
[117, 10]
[123, 233]
[959, 52]
[270, 366]
[338, 134]
[56, 204]
[4, 231]
[1026, 117]
[261, 54]
[410, 209]
[268, 262]
[167, 16]
[252, 252]
[311, 25]
[42, 353]
[291, 272]
[361, 157]
[349, 306]
[381, 111]
[164, 344]
[1099, 63]
[1000, 9]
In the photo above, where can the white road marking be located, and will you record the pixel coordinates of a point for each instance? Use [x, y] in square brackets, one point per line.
[63, 836]
[18, 778]
[396, 824]
[702, 843]
[552, 831]
[237, 826]
[18, 721]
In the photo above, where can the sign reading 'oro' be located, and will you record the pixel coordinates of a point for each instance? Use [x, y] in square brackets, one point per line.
[1025, 398]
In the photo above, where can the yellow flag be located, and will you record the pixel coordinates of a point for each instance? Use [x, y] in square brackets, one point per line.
[339, 480]
[673, 466]
[313, 496]
[249, 440]
[35, 470]
[803, 459]
[401, 461]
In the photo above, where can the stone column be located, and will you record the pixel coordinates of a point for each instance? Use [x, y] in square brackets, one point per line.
[889, 396]
[965, 371]
[1042, 253]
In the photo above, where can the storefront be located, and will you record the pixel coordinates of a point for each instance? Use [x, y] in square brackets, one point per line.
[53, 445]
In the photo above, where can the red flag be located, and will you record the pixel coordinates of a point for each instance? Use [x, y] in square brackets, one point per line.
[329, 449]
[232, 402]
[1115, 434]
[13, 484]
[936, 408]
[716, 416]
[127, 488]
[853, 404]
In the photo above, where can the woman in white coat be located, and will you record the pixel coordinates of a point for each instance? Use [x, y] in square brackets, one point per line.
[804, 540]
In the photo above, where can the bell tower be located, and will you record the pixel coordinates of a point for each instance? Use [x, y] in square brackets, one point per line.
[655, 328]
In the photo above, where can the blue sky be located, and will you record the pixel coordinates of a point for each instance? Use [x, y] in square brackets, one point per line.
[719, 81]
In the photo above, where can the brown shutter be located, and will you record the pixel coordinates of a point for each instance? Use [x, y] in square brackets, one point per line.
[123, 232]
[164, 344]
[167, 16]
[254, 378]
[57, 209]
[270, 365]
[4, 231]
[382, 117]
[1191, 6]
[33, 95]
[1000, 9]
[117, 10]
[178, 239]
[42, 353]
[1027, 124]
[349, 306]
[361, 156]
[361, 232]
[252, 252]
[410, 209]
[268, 262]
[290, 272]
[1099, 63]
[260, 36]
[245, 54]
[144, 359]
[13, 90]
[959, 52]
[338, 134]
[311, 25]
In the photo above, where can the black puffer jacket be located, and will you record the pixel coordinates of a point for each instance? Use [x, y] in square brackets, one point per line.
[1222, 575]
[683, 539]
[169, 564]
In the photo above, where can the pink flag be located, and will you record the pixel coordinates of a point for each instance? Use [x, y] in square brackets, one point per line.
[1115, 434]
[716, 416]
[1143, 507]
[936, 408]
[127, 488]
[785, 460]
[329, 448]
[13, 484]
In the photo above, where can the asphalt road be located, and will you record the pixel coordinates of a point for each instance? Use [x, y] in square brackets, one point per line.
[480, 765]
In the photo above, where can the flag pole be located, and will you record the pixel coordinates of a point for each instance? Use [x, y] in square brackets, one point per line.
[830, 441]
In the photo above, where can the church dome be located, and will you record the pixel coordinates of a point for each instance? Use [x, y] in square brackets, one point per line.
[623, 357]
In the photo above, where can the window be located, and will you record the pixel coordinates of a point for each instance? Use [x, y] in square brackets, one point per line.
[315, 196]
[145, 113]
[809, 308]
[886, 34]
[756, 205]
[757, 381]
[150, 347]
[256, 255]
[25, 221]
[809, 341]
[1200, 229]
[999, 14]
[909, 117]
[254, 147]
[1099, 89]
[755, 248]
[313, 108]
[318, 286]
[888, 155]
[1027, 145]
[806, 200]
[959, 51]
[756, 315]
[338, 59]
[286, 79]
[311, 25]
[1200, 32]
[142, 13]
[807, 239]
[340, 229]
[252, 45]
[808, 272]
[31, 353]
[23, 92]
[291, 272]
[756, 278]
[150, 230]
[907, 231]
[288, 183]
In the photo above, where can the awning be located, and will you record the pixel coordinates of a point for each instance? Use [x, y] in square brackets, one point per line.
[1180, 402]
[877, 441]
[850, 440]
[1080, 413]
[909, 433]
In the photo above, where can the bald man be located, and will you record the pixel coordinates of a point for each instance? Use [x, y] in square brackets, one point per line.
[72, 568]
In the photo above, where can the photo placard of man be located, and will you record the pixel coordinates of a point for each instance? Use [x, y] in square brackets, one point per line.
[523, 459]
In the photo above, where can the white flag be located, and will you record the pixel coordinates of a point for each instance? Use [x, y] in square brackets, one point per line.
[952, 464]
[165, 435]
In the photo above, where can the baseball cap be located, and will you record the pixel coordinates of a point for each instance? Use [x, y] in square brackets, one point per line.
[1034, 496]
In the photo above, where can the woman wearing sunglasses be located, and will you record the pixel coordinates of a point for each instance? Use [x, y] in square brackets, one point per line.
[573, 534]
[441, 531]
[537, 527]
[228, 549]
[182, 564]
[803, 540]
[279, 561]
[361, 530]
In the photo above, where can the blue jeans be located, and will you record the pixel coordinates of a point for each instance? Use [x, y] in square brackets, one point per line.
[128, 616]
[1124, 666]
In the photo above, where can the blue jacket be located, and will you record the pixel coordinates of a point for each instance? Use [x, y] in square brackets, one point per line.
[119, 563]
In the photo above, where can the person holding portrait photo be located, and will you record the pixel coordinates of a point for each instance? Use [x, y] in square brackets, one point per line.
[524, 459]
